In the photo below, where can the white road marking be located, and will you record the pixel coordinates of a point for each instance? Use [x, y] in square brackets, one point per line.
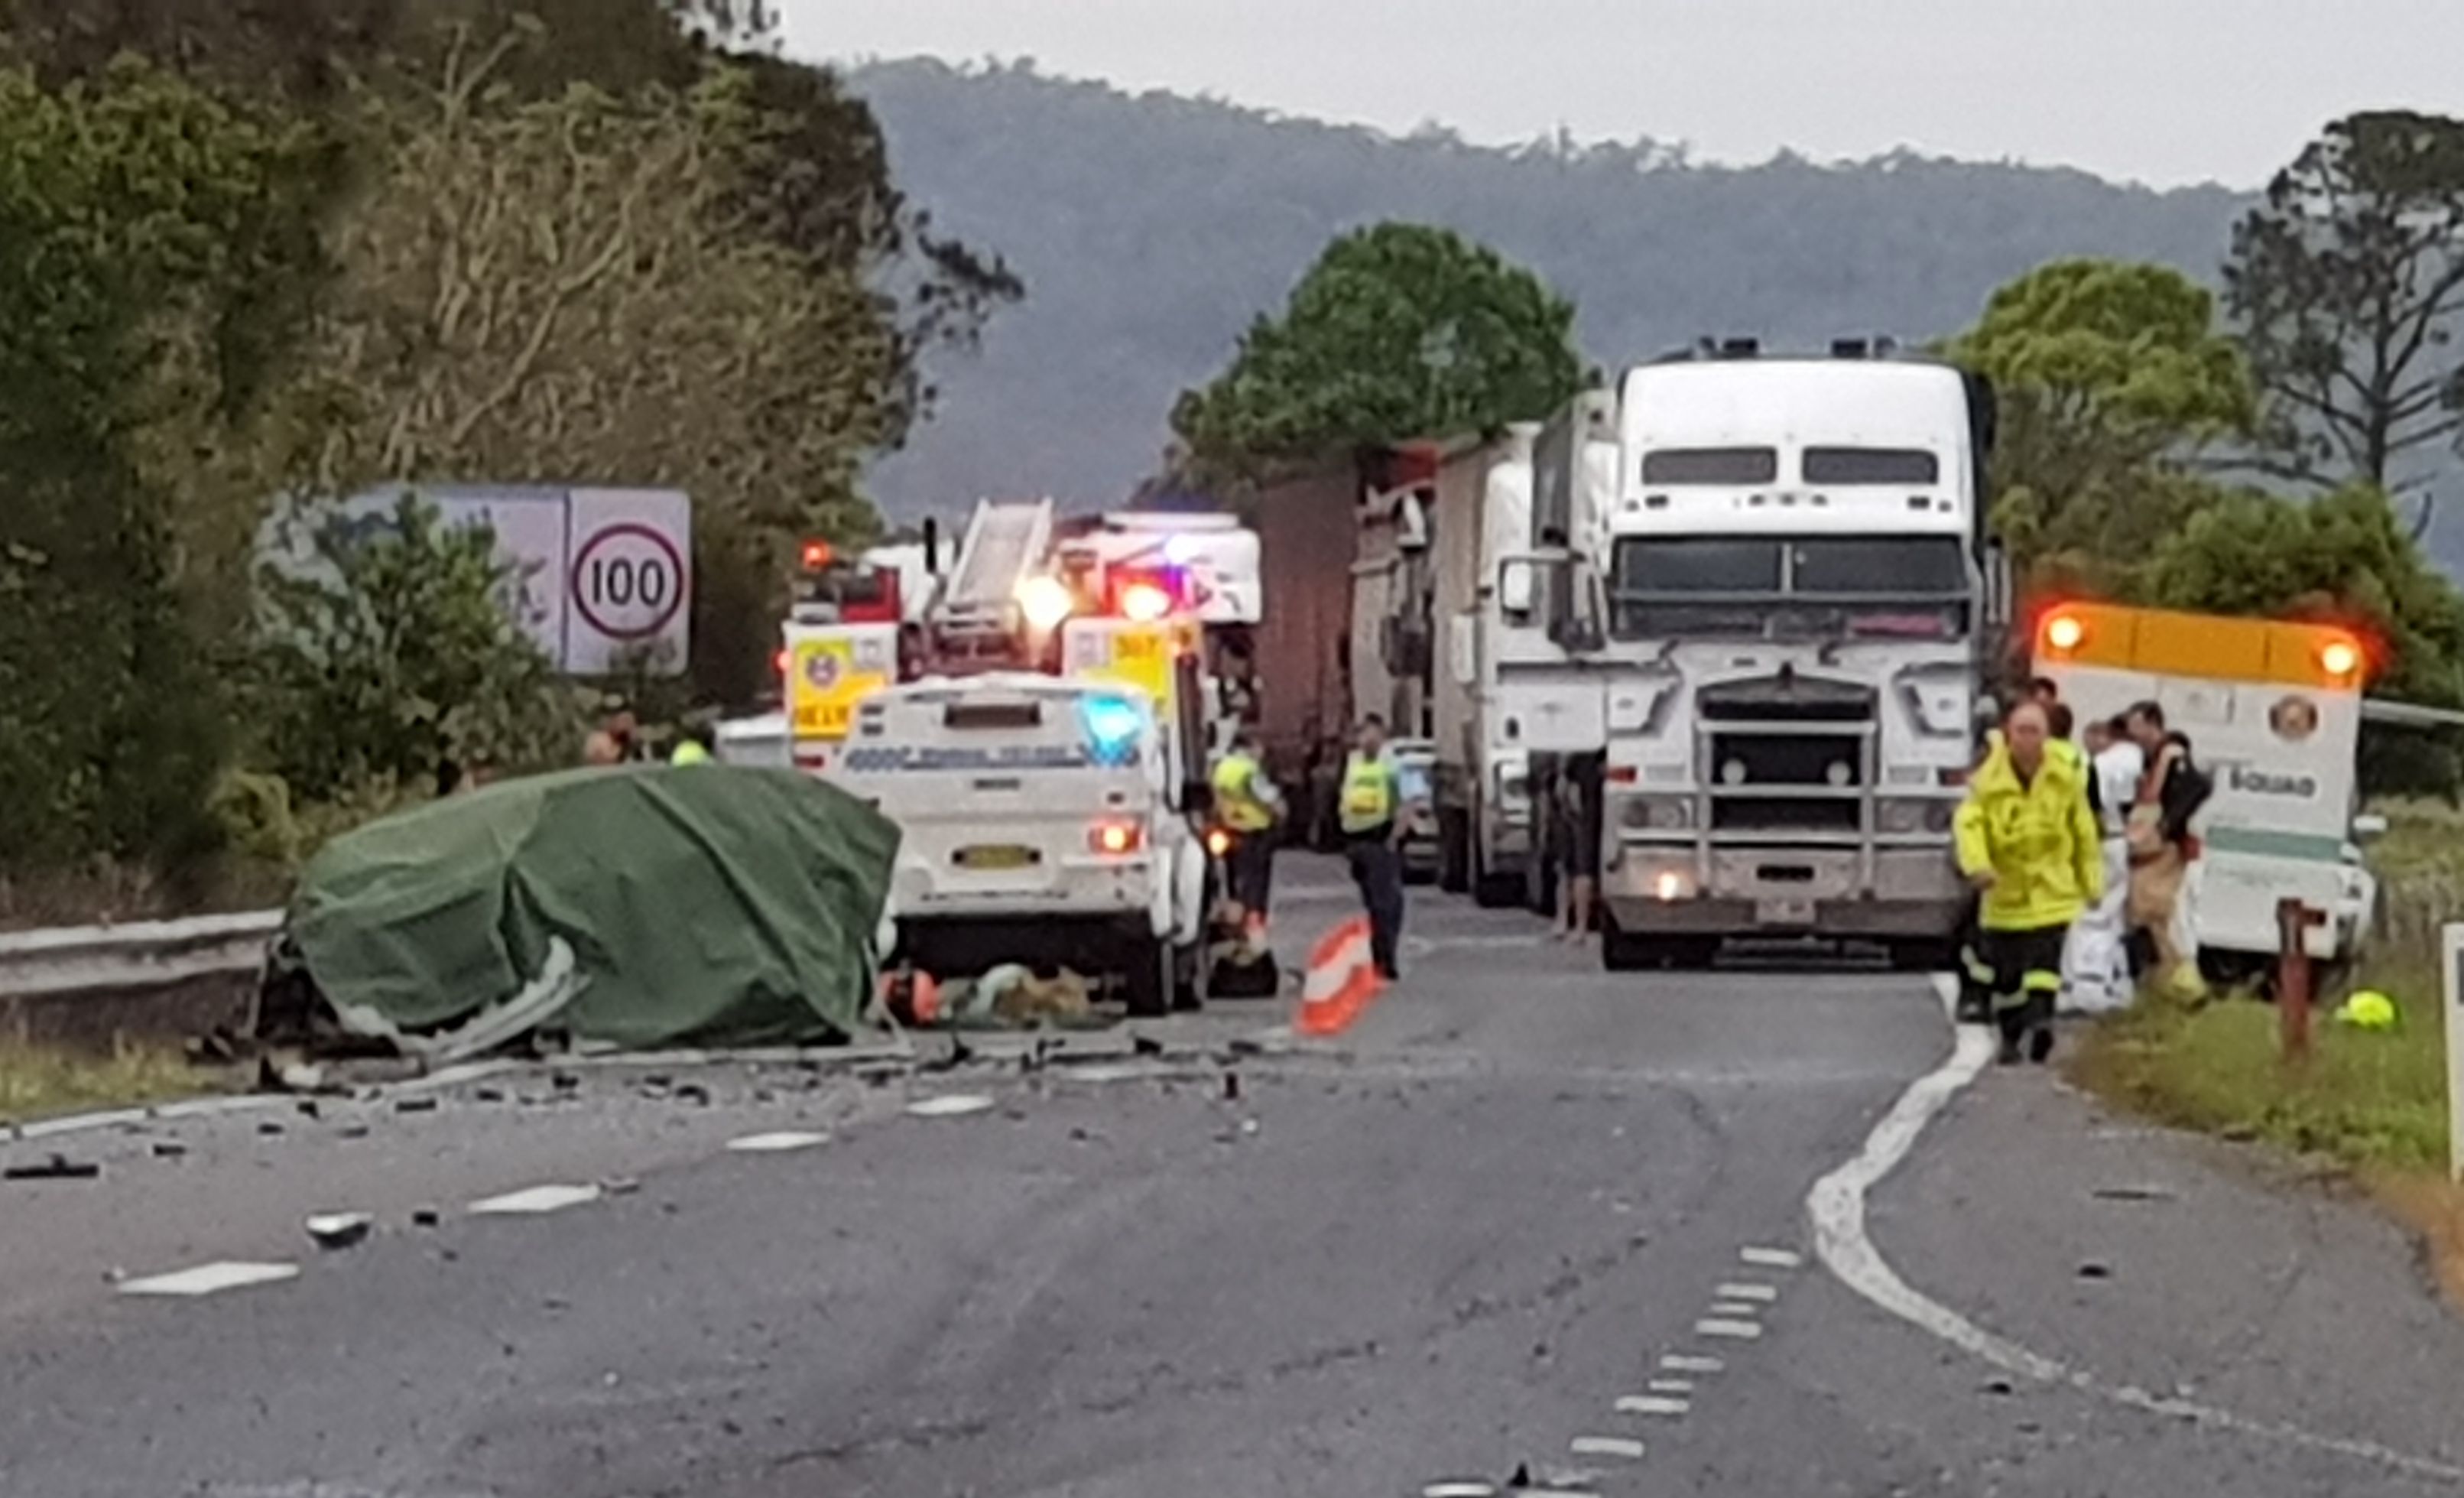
[1735, 1331]
[1652, 1404]
[1945, 987]
[1686, 1363]
[1607, 1447]
[1556, 1492]
[532, 1200]
[207, 1279]
[1734, 1310]
[1670, 1385]
[1458, 1491]
[772, 1143]
[1770, 1258]
[1837, 1205]
[1106, 1071]
[1765, 1293]
[953, 1104]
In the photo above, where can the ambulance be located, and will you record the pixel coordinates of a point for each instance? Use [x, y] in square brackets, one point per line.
[2272, 710]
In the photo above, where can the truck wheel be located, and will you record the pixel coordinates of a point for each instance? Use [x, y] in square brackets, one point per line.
[1148, 983]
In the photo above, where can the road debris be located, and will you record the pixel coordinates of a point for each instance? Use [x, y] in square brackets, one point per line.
[59, 1167]
[333, 1230]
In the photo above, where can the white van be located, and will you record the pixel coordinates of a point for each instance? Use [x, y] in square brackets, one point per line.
[1041, 822]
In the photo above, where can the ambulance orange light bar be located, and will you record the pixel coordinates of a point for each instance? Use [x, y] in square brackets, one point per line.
[817, 554]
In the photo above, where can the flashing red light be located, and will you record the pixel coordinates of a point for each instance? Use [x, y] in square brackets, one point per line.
[817, 554]
[1218, 842]
[1145, 602]
[2065, 633]
[782, 661]
[1115, 837]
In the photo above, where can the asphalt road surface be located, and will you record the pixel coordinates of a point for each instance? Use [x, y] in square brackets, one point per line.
[1751, 1232]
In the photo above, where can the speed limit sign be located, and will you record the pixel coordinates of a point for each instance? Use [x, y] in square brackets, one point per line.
[628, 585]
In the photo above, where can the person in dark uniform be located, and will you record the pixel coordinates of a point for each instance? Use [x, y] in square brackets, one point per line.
[1579, 847]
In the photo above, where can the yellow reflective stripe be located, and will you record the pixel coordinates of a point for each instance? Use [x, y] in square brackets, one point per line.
[2040, 982]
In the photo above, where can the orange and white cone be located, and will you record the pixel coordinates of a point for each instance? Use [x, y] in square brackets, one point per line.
[1340, 981]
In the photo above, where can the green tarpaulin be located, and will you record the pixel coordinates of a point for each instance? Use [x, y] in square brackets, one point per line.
[704, 905]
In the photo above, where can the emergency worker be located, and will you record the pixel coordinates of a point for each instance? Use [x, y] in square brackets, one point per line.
[1368, 807]
[2029, 844]
[2157, 829]
[1248, 805]
[692, 746]
[2094, 969]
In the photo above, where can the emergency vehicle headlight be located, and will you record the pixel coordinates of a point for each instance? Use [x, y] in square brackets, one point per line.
[1113, 725]
[1045, 602]
[1658, 813]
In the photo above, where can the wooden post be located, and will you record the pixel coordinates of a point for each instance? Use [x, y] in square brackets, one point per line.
[2293, 922]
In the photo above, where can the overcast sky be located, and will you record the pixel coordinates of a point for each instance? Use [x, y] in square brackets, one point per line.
[2160, 91]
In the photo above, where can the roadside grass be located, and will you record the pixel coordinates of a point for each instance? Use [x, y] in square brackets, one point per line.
[2374, 1104]
[38, 1082]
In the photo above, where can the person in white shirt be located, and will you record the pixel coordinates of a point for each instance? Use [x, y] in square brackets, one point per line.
[2096, 970]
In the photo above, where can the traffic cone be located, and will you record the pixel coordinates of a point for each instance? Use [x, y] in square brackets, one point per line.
[1339, 982]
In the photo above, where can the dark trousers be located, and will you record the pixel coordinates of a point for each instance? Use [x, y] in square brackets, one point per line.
[1250, 870]
[2027, 975]
[1377, 869]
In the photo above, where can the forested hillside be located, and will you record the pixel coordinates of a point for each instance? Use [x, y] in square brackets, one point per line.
[1149, 229]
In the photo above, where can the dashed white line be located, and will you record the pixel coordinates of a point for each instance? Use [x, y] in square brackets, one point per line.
[1734, 1310]
[1607, 1447]
[1670, 1385]
[774, 1143]
[1458, 1491]
[532, 1200]
[1770, 1258]
[1733, 1331]
[1837, 1205]
[1690, 1363]
[1736, 1290]
[955, 1105]
[207, 1279]
[1652, 1404]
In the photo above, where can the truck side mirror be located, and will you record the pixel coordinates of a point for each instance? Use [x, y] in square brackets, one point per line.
[1518, 585]
[2368, 827]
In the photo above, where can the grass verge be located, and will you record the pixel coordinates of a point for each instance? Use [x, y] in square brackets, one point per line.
[38, 1082]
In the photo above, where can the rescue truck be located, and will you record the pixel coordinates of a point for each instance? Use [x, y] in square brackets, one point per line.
[2272, 712]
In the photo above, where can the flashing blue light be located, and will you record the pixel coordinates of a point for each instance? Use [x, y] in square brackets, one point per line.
[1112, 726]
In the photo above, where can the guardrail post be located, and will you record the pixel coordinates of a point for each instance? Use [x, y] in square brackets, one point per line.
[2293, 922]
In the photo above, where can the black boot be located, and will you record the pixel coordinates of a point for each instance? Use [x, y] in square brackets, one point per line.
[2040, 1044]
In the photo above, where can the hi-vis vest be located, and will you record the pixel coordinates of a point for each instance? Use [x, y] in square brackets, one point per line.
[1368, 798]
[1235, 795]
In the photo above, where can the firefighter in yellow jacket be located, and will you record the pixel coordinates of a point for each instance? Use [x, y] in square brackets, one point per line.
[2029, 843]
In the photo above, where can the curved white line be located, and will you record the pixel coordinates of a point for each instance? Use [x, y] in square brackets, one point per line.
[1837, 1205]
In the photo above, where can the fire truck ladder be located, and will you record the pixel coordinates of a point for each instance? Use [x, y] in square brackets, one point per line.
[1006, 542]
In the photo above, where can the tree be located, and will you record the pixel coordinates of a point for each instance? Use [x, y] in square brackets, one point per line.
[2346, 557]
[2347, 283]
[1398, 331]
[2111, 375]
[141, 221]
[391, 654]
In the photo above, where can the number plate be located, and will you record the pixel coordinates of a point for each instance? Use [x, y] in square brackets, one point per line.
[1783, 912]
[997, 855]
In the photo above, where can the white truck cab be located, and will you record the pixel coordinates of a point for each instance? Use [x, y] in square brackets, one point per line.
[1041, 821]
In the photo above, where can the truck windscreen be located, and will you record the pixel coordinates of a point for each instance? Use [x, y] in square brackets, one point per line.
[1722, 586]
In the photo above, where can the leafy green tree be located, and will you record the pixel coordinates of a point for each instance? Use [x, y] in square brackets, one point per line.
[2111, 375]
[140, 220]
[2347, 283]
[1398, 331]
[391, 654]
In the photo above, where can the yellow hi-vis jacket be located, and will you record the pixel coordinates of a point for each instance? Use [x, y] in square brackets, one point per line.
[2040, 838]
[1236, 794]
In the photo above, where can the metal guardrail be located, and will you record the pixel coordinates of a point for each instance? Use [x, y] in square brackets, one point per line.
[136, 955]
